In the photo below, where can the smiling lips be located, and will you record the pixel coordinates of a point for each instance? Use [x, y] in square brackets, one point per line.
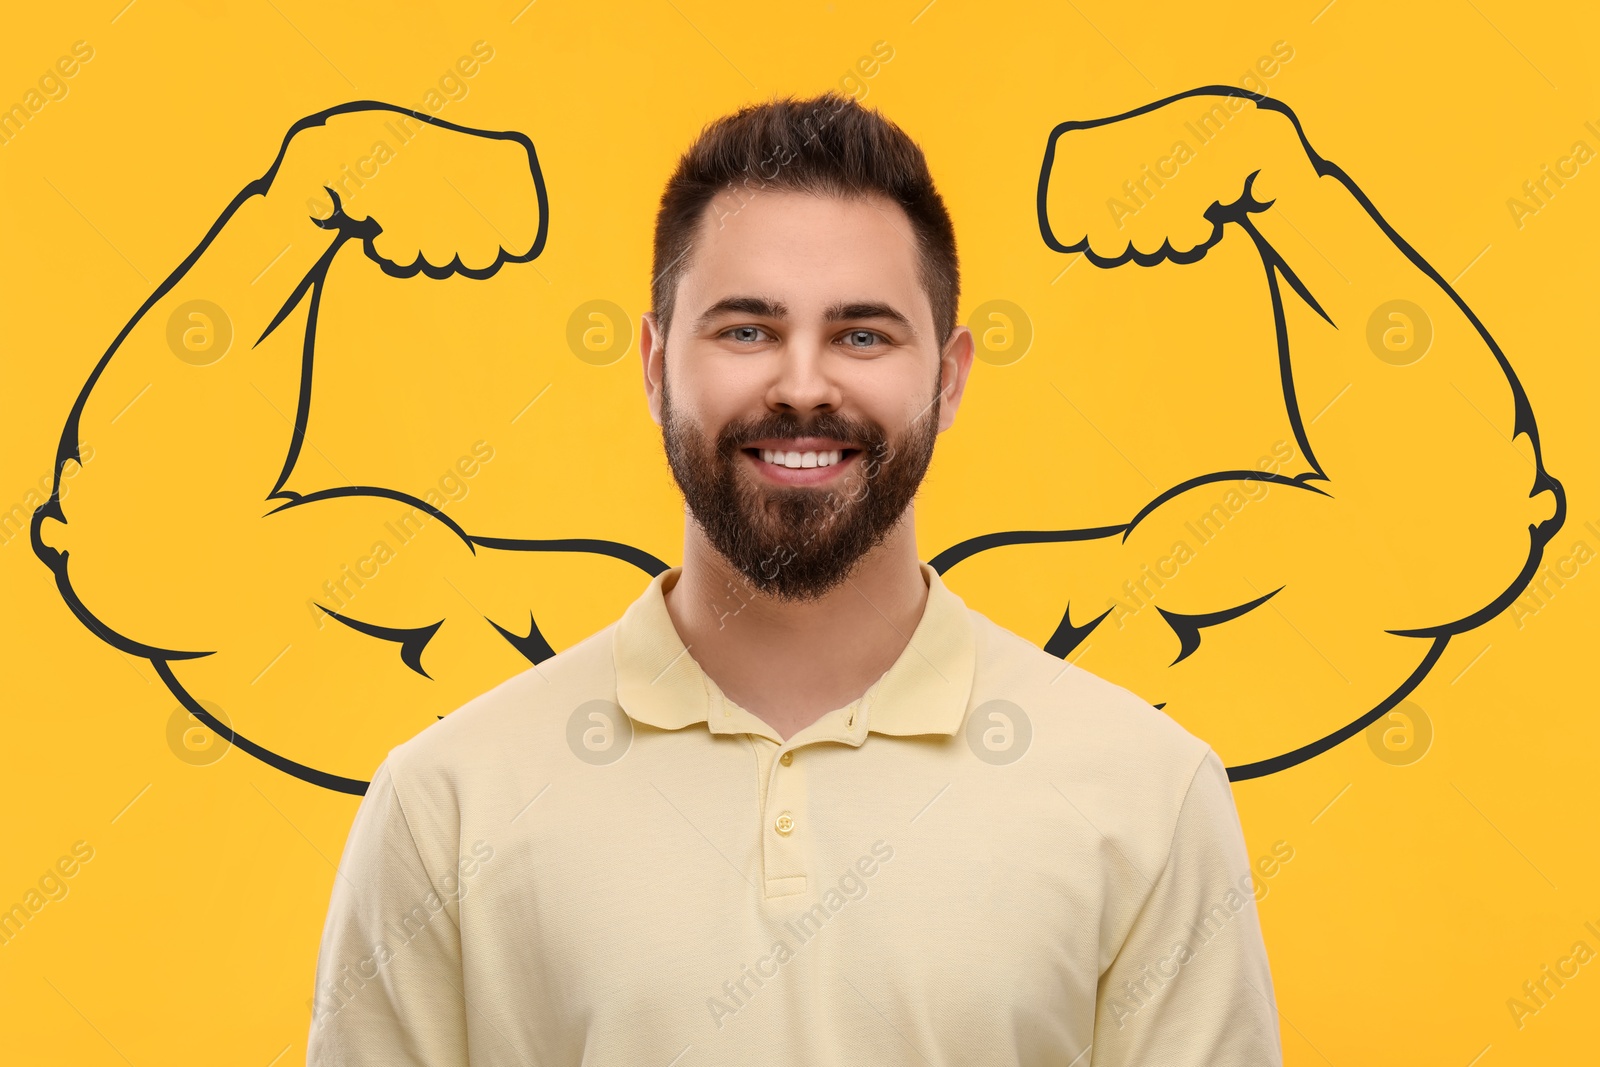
[800, 461]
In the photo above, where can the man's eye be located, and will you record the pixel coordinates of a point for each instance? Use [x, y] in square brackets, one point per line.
[746, 334]
[862, 338]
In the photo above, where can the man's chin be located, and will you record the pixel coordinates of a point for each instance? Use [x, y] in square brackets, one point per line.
[791, 586]
[795, 566]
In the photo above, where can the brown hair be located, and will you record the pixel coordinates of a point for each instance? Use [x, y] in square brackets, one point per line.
[827, 145]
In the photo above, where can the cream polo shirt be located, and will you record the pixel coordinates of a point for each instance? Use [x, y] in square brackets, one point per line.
[990, 857]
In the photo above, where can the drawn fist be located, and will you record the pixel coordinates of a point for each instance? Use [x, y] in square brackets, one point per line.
[1159, 182]
[424, 195]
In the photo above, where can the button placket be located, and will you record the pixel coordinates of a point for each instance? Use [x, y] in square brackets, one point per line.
[782, 828]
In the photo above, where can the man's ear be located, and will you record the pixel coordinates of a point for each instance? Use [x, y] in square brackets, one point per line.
[954, 365]
[652, 349]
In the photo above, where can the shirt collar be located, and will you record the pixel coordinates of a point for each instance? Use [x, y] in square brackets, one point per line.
[925, 690]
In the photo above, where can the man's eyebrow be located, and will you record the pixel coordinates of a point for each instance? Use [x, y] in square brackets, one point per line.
[870, 310]
[747, 305]
[767, 308]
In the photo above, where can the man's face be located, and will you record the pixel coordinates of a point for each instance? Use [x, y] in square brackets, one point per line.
[804, 395]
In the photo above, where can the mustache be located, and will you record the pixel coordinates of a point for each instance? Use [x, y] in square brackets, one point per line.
[869, 436]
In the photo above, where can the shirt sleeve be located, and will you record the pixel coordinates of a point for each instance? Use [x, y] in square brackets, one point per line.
[389, 984]
[1190, 984]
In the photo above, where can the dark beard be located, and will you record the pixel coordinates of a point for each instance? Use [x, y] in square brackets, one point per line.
[797, 543]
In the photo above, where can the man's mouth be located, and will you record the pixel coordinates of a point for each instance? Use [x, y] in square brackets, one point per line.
[798, 465]
[797, 460]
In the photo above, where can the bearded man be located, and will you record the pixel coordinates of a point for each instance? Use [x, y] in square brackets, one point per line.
[799, 804]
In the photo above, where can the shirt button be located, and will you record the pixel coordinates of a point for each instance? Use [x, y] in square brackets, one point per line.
[784, 824]
[786, 759]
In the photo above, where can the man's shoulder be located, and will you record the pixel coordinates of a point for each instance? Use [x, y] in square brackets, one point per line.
[1124, 765]
[1080, 719]
[517, 719]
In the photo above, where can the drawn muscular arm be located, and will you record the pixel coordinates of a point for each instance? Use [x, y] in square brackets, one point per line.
[1422, 449]
[193, 448]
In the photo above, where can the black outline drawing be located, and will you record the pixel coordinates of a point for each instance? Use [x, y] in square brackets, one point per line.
[1187, 628]
[533, 645]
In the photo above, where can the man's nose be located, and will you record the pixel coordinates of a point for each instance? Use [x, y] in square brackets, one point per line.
[806, 378]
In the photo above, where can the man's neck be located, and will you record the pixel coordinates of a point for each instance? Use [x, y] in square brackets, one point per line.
[791, 663]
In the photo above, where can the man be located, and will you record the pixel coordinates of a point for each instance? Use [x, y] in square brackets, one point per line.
[799, 805]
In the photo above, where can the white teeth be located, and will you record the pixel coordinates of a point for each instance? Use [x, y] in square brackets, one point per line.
[801, 459]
